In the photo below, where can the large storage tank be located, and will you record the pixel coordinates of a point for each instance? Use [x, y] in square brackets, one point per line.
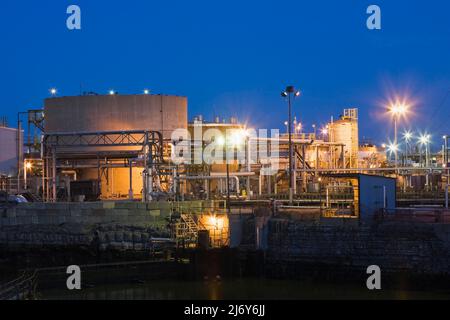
[8, 150]
[92, 113]
[345, 131]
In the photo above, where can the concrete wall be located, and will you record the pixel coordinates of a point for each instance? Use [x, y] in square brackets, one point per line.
[124, 213]
[395, 247]
[119, 225]
[115, 112]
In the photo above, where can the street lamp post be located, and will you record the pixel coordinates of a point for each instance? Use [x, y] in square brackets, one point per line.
[407, 136]
[228, 177]
[397, 110]
[425, 140]
[445, 155]
[395, 142]
[290, 90]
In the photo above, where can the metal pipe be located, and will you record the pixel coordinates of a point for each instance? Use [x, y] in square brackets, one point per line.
[373, 169]
[130, 191]
[54, 175]
[210, 178]
[291, 195]
[446, 196]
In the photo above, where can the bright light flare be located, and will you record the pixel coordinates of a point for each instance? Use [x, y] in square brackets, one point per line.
[238, 137]
[53, 91]
[221, 141]
[234, 137]
[399, 109]
[392, 147]
[407, 135]
[216, 222]
[425, 139]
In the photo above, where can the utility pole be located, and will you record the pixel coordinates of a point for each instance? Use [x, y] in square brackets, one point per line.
[445, 155]
[290, 90]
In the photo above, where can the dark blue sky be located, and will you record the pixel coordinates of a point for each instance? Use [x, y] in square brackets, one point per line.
[233, 57]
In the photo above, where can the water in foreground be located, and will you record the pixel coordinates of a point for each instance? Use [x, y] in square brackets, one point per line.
[250, 288]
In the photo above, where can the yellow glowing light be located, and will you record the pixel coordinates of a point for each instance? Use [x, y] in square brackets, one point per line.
[216, 222]
[28, 165]
[238, 137]
[221, 140]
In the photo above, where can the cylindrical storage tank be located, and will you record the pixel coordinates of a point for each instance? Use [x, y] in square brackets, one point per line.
[346, 132]
[93, 113]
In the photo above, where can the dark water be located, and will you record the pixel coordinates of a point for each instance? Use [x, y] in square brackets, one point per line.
[260, 289]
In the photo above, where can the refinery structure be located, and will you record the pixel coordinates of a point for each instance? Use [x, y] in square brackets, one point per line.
[113, 148]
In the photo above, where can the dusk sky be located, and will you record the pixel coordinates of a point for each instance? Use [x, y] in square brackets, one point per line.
[233, 57]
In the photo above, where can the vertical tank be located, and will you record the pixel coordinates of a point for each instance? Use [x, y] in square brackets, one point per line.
[8, 150]
[345, 131]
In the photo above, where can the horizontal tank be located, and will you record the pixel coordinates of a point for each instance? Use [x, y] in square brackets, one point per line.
[93, 113]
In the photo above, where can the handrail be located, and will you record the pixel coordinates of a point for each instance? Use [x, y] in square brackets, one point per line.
[19, 288]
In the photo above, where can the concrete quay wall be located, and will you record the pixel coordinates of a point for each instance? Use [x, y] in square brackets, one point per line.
[119, 225]
[394, 246]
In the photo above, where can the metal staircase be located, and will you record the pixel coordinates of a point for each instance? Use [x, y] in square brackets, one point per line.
[186, 230]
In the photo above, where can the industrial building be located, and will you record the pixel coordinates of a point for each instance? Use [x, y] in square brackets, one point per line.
[109, 141]
[127, 147]
[120, 146]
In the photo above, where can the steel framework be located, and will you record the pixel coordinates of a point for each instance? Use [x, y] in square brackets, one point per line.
[78, 146]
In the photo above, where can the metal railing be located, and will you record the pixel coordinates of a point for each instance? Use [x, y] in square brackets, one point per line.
[21, 288]
[422, 215]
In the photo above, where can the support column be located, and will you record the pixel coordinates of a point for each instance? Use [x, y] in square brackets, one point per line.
[304, 168]
[294, 172]
[248, 167]
[54, 175]
[130, 190]
[260, 184]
